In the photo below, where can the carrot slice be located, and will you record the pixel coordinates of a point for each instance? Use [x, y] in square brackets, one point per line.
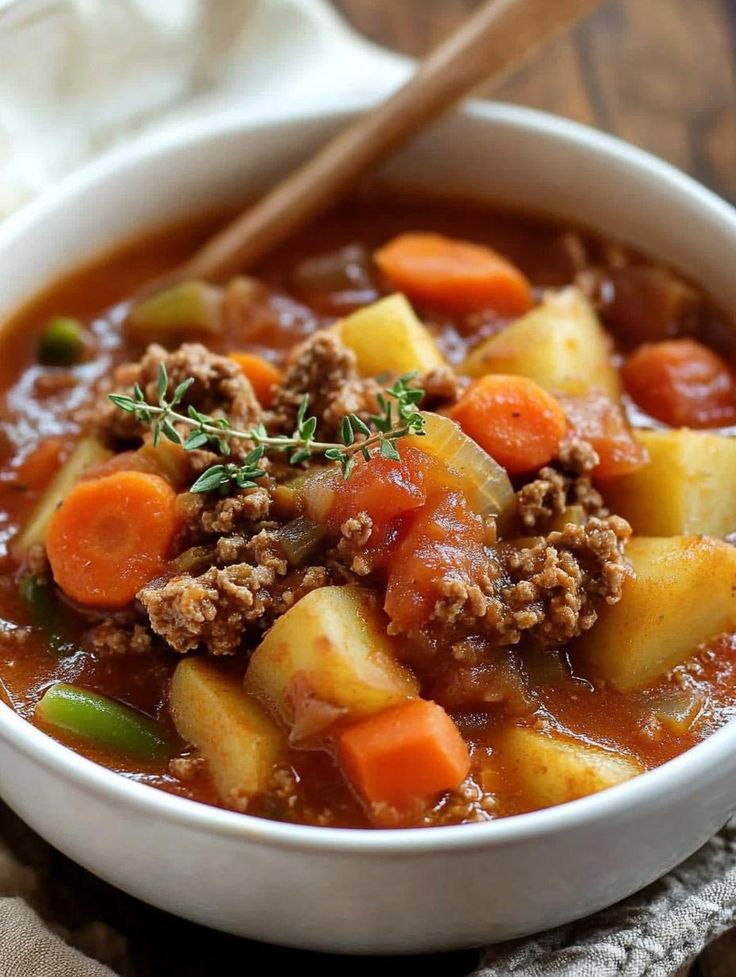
[683, 383]
[457, 275]
[263, 375]
[404, 755]
[514, 419]
[110, 536]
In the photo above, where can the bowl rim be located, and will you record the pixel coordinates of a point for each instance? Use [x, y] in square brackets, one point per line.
[673, 777]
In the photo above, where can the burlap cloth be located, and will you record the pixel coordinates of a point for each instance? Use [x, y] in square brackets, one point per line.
[113, 70]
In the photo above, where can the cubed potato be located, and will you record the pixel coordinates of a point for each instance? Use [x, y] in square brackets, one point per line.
[681, 490]
[174, 314]
[561, 345]
[327, 658]
[551, 769]
[388, 337]
[684, 593]
[239, 740]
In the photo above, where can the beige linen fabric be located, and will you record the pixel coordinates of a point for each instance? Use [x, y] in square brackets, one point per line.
[28, 948]
[31, 946]
[649, 935]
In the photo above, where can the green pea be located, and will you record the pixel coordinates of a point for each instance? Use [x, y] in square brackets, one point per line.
[62, 342]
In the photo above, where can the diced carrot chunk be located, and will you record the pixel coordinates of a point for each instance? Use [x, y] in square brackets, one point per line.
[404, 756]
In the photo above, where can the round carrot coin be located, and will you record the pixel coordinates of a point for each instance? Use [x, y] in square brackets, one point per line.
[514, 419]
[111, 536]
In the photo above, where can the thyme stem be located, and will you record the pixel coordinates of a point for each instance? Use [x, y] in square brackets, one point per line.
[398, 415]
[278, 441]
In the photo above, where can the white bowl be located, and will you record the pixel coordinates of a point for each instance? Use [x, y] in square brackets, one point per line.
[374, 891]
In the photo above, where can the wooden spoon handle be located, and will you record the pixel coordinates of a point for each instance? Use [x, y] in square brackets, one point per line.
[485, 46]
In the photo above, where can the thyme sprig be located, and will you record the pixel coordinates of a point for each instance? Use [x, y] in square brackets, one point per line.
[398, 416]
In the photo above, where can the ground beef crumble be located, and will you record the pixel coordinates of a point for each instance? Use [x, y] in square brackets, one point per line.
[354, 536]
[216, 609]
[441, 385]
[323, 369]
[565, 484]
[547, 591]
[112, 638]
[211, 515]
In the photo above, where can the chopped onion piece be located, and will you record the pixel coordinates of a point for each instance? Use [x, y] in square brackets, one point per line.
[299, 538]
[677, 710]
[486, 484]
[316, 490]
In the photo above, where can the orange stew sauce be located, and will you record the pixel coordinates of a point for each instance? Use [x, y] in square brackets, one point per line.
[322, 274]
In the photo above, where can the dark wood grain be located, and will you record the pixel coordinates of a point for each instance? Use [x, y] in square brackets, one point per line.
[659, 73]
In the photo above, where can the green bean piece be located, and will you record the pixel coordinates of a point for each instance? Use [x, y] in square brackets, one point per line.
[101, 720]
[43, 607]
[62, 342]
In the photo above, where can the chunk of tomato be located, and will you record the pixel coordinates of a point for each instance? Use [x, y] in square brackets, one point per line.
[597, 419]
[443, 540]
[384, 489]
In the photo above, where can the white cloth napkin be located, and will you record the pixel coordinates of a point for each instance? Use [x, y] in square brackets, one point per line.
[78, 77]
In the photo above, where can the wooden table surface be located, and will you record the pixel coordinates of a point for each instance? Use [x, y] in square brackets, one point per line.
[659, 73]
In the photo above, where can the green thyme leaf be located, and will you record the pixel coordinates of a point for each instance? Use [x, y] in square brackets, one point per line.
[170, 432]
[389, 452]
[210, 479]
[346, 432]
[197, 439]
[181, 391]
[163, 383]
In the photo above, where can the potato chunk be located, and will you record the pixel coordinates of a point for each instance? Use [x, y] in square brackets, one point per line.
[172, 315]
[328, 657]
[561, 344]
[237, 738]
[682, 489]
[551, 769]
[684, 593]
[387, 336]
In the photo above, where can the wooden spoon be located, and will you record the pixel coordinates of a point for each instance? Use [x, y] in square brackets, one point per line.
[485, 46]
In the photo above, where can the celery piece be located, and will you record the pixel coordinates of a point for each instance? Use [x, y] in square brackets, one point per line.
[62, 342]
[44, 611]
[86, 453]
[191, 307]
[101, 720]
